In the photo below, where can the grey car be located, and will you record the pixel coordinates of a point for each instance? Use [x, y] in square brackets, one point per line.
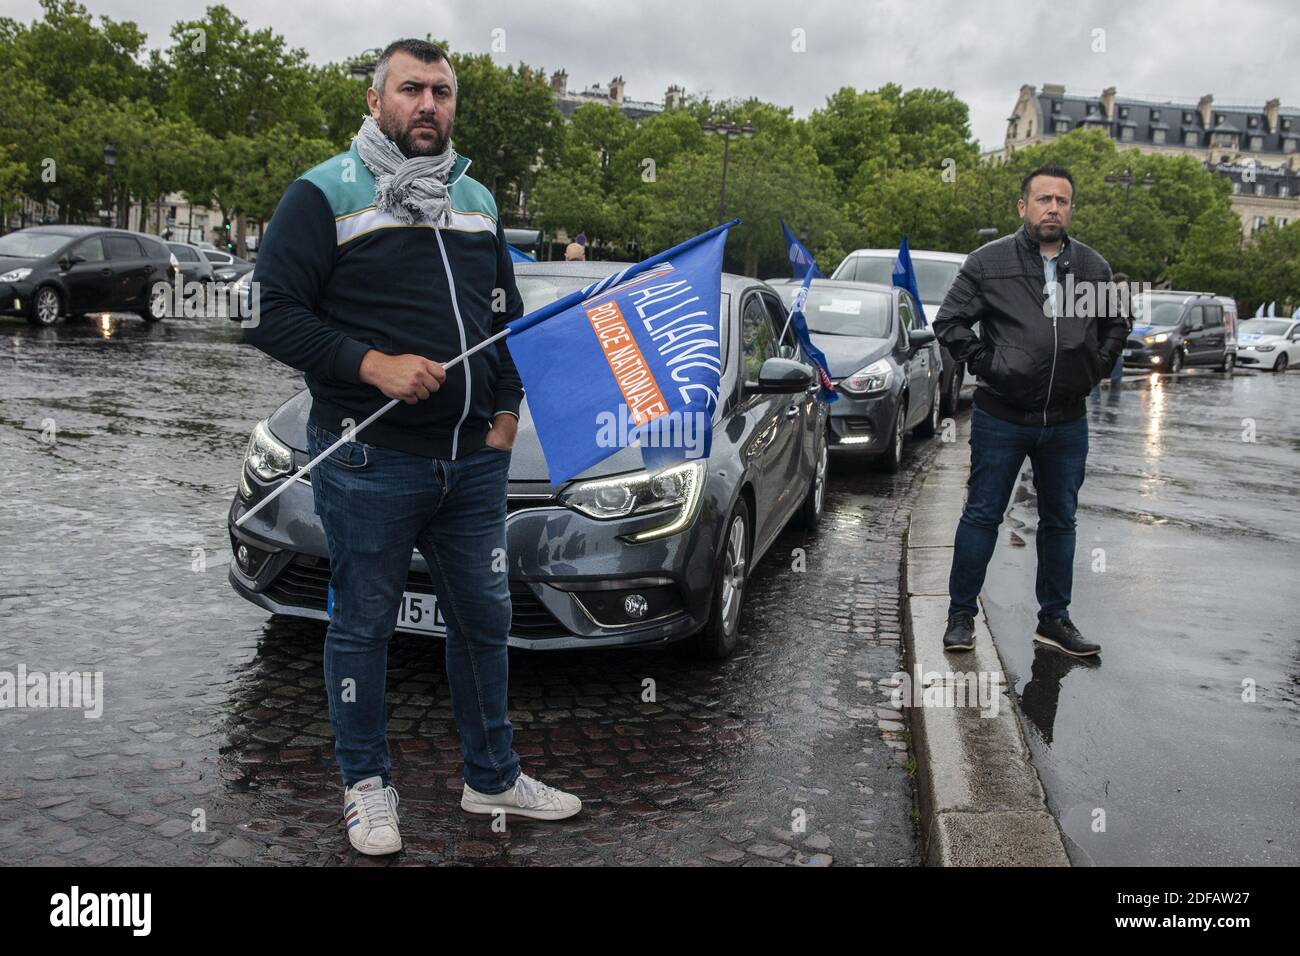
[614, 557]
[886, 370]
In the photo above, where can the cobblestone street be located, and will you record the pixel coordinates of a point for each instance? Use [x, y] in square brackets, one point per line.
[122, 445]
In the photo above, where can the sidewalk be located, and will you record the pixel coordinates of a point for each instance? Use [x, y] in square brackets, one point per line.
[982, 803]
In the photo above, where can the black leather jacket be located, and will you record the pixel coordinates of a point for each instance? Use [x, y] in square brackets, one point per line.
[1032, 369]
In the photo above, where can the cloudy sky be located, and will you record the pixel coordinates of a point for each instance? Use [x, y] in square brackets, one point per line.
[1243, 53]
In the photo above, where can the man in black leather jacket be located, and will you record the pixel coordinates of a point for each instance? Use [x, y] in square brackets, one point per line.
[1050, 327]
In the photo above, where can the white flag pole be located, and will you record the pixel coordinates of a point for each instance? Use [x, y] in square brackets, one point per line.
[351, 434]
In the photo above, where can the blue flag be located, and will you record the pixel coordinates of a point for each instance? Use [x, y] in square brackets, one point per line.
[518, 255]
[634, 359]
[801, 260]
[905, 278]
[800, 326]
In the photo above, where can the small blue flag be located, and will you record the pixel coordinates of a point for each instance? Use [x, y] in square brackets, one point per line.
[905, 278]
[801, 260]
[634, 359]
[800, 326]
[518, 255]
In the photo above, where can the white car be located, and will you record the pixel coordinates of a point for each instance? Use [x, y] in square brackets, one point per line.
[1269, 343]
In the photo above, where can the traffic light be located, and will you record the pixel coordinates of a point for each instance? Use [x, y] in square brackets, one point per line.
[230, 246]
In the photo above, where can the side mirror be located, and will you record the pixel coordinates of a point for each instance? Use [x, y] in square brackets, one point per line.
[783, 375]
[918, 337]
[73, 259]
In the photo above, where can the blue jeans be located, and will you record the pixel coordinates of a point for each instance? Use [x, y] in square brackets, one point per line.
[377, 505]
[998, 448]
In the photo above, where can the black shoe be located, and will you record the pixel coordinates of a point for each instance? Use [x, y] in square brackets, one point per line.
[1060, 632]
[960, 635]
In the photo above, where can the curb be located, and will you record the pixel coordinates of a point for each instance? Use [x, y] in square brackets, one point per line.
[981, 801]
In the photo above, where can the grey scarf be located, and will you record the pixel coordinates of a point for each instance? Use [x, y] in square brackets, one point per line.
[410, 190]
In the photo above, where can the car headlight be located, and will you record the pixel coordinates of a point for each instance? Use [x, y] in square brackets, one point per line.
[224, 275]
[1156, 339]
[15, 275]
[1258, 348]
[675, 491]
[874, 378]
[266, 456]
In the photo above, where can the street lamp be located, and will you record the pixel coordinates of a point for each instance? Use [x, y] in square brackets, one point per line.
[1127, 181]
[728, 131]
[363, 67]
[110, 160]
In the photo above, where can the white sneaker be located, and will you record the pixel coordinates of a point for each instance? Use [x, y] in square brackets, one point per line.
[527, 798]
[370, 815]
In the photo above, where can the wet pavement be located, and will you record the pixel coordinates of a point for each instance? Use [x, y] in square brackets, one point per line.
[1181, 743]
[122, 445]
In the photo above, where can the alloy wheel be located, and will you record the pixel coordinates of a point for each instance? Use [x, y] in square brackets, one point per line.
[733, 575]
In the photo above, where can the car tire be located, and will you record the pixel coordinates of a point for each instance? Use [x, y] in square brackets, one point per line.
[1281, 363]
[891, 460]
[721, 635]
[930, 427]
[809, 515]
[157, 310]
[1229, 360]
[46, 306]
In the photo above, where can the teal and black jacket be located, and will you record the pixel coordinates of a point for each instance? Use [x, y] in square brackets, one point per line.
[337, 277]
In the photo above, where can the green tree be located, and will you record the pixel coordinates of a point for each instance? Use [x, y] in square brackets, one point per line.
[230, 79]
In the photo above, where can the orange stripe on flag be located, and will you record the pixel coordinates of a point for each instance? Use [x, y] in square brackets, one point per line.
[635, 380]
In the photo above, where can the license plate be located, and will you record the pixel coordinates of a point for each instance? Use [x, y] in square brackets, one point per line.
[418, 612]
[1128, 353]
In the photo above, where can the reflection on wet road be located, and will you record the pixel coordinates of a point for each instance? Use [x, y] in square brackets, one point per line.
[1181, 744]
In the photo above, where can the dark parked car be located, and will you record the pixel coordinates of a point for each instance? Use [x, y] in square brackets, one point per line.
[885, 369]
[935, 272]
[47, 272]
[194, 264]
[1172, 330]
[666, 559]
[226, 266]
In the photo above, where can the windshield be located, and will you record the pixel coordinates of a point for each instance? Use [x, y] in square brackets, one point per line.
[1264, 327]
[933, 276]
[539, 290]
[842, 311]
[1149, 310]
[31, 245]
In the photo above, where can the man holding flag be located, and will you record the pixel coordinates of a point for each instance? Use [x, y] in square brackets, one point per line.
[380, 265]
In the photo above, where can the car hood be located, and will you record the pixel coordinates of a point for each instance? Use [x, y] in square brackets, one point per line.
[1140, 330]
[16, 262]
[845, 354]
[527, 463]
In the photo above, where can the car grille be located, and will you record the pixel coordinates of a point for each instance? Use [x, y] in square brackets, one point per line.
[1133, 344]
[304, 583]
